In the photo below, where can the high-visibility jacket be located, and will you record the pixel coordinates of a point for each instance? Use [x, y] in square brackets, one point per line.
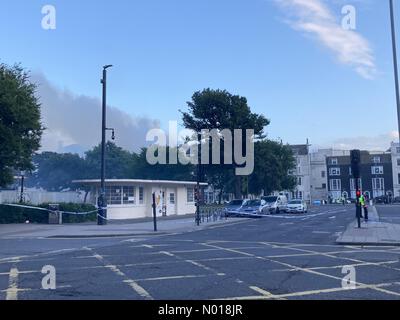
[362, 200]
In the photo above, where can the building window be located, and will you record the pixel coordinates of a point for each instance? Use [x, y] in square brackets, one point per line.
[300, 195]
[324, 186]
[172, 198]
[376, 159]
[350, 172]
[334, 171]
[128, 195]
[190, 195]
[334, 161]
[141, 195]
[114, 195]
[397, 149]
[398, 162]
[398, 178]
[299, 181]
[323, 173]
[353, 184]
[378, 183]
[377, 170]
[335, 184]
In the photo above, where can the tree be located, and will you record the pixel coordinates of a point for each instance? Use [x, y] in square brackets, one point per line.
[20, 126]
[219, 109]
[141, 169]
[55, 171]
[273, 161]
[119, 162]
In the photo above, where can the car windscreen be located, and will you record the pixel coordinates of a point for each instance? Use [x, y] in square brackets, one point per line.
[270, 199]
[295, 202]
[252, 203]
[235, 203]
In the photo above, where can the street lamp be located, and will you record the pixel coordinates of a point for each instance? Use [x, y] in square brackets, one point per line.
[21, 198]
[102, 202]
[396, 75]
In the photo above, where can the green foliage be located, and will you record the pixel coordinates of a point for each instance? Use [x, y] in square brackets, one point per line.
[143, 170]
[56, 171]
[119, 162]
[273, 160]
[10, 214]
[20, 127]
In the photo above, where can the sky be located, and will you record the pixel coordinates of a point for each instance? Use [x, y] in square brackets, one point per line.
[291, 59]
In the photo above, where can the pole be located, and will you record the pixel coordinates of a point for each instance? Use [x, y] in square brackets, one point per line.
[21, 199]
[396, 75]
[102, 203]
[154, 212]
[197, 194]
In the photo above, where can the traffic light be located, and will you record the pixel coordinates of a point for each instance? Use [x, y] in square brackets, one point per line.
[355, 156]
[358, 193]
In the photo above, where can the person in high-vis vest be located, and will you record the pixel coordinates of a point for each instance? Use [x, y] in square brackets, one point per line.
[364, 207]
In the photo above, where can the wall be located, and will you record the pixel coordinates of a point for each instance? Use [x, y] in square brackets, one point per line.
[36, 197]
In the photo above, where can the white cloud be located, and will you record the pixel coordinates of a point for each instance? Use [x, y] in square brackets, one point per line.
[314, 18]
[76, 120]
[373, 143]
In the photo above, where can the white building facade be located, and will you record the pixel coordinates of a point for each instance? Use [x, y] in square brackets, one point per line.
[395, 152]
[132, 198]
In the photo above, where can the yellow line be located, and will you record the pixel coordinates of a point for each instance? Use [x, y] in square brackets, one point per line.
[12, 291]
[136, 287]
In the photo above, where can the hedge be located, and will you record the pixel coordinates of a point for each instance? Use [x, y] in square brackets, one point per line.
[9, 214]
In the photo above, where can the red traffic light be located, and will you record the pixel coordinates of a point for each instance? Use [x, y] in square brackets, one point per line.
[358, 193]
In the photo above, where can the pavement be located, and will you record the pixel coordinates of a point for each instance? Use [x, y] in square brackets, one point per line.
[278, 257]
[373, 232]
[112, 229]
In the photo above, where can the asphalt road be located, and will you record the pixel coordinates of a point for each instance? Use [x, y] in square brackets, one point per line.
[277, 257]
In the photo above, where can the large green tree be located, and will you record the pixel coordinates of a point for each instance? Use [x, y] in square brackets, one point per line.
[141, 169]
[273, 161]
[20, 126]
[219, 109]
[55, 171]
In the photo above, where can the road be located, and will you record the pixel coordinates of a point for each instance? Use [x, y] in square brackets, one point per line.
[277, 257]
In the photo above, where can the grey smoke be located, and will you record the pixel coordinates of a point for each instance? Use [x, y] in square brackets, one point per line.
[75, 120]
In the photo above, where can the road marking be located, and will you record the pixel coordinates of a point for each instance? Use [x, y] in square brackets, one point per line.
[172, 277]
[307, 269]
[135, 286]
[321, 232]
[12, 291]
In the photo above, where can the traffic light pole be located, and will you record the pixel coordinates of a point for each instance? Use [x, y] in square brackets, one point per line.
[197, 193]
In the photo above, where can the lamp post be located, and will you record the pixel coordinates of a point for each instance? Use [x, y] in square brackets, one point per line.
[396, 74]
[21, 198]
[102, 202]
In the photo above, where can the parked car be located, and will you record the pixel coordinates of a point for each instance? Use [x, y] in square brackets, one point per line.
[251, 207]
[232, 207]
[274, 204]
[296, 206]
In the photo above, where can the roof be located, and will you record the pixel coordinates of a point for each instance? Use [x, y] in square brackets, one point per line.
[137, 181]
[299, 149]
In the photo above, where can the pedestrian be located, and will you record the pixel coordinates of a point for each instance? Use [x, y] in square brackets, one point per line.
[365, 213]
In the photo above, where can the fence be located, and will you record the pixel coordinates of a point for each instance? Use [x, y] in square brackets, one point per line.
[212, 213]
[37, 197]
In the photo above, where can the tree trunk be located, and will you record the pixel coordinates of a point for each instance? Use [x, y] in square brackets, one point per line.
[238, 187]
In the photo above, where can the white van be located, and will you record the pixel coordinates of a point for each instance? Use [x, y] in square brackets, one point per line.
[274, 204]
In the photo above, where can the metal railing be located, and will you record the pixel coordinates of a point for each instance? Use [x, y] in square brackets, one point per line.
[212, 214]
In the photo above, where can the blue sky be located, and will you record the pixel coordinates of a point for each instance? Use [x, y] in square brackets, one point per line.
[163, 50]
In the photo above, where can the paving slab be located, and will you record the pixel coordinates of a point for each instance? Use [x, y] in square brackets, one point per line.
[373, 232]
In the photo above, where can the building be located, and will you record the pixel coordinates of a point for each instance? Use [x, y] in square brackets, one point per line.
[302, 172]
[375, 171]
[395, 153]
[132, 198]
